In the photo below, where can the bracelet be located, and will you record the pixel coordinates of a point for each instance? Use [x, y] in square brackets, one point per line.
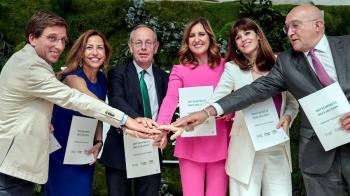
[98, 141]
[206, 112]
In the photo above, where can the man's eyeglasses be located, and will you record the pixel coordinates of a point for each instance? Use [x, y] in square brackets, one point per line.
[55, 39]
[139, 44]
[295, 25]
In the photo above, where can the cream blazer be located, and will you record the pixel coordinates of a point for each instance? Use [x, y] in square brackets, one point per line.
[241, 151]
[28, 91]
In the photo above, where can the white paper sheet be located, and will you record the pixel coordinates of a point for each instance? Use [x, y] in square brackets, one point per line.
[193, 99]
[105, 130]
[323, 109]
[141, 157]
[81, 136]
[53, 144]
[261, 120]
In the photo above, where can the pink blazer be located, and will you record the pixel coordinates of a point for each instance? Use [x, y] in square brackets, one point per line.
[199, 149]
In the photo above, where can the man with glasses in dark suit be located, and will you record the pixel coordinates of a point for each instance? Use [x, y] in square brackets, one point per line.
[138, 88]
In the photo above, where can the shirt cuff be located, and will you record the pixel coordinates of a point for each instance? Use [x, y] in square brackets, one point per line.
[123, 121]
[218, 109]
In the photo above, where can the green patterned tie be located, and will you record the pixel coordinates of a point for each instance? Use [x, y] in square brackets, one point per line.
[145, 98]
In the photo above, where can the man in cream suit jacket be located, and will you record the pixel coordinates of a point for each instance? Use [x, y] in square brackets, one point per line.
[325, 173]
[28, 91]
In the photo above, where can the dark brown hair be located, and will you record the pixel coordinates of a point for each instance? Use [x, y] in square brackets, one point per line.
[39, 21]
[185, 54]
[76, 53]
[265, 58]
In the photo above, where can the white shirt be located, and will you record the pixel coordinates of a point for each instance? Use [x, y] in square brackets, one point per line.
[151, 87]
[324, 54]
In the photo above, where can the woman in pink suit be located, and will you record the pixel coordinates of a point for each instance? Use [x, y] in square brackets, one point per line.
[201, 159]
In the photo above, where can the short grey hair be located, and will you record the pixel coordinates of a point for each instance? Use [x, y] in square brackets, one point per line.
[143, 26]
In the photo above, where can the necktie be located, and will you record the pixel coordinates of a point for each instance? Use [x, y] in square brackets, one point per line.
[319, 69]
[145, 98]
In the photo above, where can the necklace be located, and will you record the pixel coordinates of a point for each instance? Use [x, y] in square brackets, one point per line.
[258, 72]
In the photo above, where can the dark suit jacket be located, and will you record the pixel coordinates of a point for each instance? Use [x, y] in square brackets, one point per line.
[293, 73]
[125, 94]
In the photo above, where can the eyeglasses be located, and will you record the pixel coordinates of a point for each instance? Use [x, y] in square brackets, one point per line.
[295, 25]
[55, 39]
[139, 44]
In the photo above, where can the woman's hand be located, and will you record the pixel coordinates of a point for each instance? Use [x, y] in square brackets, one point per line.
[284, 122]
[176, 130]
[51, 128]
[161, 141]
[95, 150]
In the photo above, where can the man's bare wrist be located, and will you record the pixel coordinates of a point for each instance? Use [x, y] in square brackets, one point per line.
[206, 112]
[210, 111]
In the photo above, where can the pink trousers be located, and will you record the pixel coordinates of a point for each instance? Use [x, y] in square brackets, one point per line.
[196, 175]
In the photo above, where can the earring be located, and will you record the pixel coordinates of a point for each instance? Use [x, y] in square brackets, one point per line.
[102, 66]
[238, 52]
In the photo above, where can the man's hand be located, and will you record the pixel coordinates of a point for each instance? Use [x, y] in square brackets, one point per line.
[284, 122]
[345, 121]
[192, 120]
[146, 122]
[132, 127]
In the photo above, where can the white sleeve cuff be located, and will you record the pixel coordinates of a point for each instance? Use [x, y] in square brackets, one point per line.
[218, 109]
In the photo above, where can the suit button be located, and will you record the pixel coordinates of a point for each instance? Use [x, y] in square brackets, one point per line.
[109, 114]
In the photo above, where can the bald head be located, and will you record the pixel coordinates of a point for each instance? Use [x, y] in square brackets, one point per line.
[305, 27]
[306, 12]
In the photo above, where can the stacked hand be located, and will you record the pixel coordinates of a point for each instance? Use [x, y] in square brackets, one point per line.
[192, 120]
[186, 123]
[161, 140]
[148, 129]
[176, 130]
[142, 128]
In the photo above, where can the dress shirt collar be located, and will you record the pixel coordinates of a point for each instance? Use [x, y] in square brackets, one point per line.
[322, 46]
[149, 70]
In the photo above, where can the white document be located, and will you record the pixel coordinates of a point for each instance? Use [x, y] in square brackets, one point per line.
[105, 129]
[323, 109]
[141, 157]
[80, 141]
[261, 120]
[53, 144]
[193, 99]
